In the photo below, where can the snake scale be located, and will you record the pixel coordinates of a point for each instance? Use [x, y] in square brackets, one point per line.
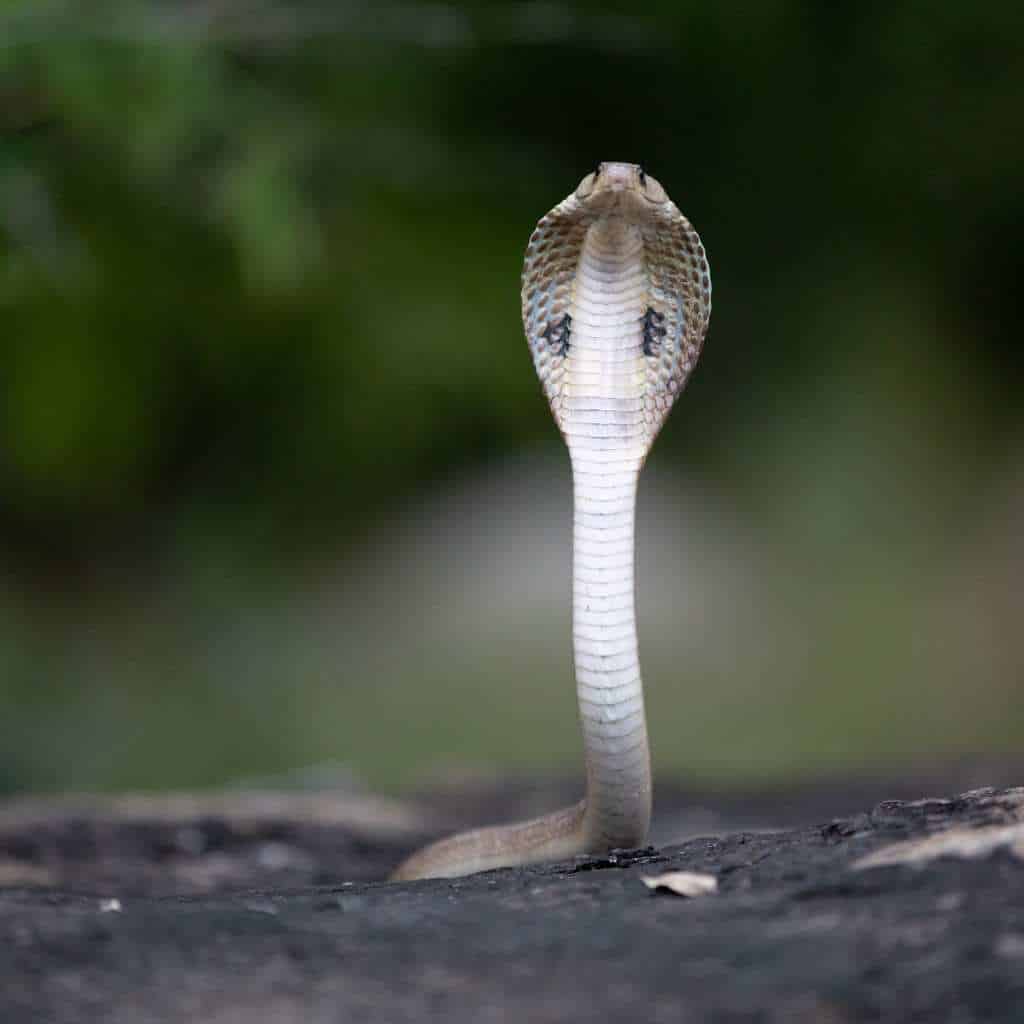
[616, 297]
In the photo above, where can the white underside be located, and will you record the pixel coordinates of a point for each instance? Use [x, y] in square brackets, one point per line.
[607, 439]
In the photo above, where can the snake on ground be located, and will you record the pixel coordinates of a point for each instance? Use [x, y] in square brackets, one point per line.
[616, 297]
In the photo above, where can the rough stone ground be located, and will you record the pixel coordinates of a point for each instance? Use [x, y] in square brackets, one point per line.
[260, 908]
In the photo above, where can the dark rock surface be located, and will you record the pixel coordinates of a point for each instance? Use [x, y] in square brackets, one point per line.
[238, 908]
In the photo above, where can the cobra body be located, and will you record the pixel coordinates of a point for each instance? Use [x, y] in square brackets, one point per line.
[616, 297]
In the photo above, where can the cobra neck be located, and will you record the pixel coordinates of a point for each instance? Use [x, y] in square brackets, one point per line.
[606, 658]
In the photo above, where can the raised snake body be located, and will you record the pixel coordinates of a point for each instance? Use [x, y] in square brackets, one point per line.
[616, 296]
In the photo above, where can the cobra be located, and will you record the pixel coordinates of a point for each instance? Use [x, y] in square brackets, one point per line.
[616, 297]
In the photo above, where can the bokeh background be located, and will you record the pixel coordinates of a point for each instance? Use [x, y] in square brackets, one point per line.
[277, 483]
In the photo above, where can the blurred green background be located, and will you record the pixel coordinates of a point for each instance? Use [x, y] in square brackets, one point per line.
[277, 483]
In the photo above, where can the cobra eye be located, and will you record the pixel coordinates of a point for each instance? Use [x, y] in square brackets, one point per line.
[597, 172]
[643, 177]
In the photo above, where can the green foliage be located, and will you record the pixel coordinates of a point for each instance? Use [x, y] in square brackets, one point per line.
[232, 233]
[258, 260]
